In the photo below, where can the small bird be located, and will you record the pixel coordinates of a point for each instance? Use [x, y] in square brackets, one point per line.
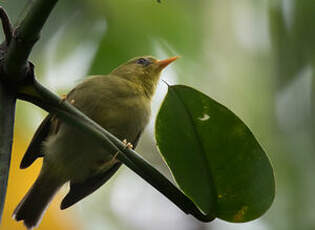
[121, 103]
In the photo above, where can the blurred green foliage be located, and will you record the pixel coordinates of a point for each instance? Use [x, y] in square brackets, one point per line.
[293, 36]
[135, 29]
[249, 55]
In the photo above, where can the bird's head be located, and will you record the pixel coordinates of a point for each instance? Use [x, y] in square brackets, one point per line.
[144, 71]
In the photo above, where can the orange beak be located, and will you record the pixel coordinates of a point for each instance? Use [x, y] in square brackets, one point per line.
[163, 63]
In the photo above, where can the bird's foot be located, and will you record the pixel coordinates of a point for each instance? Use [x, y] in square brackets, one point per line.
[127, 144]
[101, 164]
[113, 160]
[63, 98]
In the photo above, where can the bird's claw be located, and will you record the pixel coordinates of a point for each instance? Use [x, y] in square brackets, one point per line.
[113, 160]
[127, 144]
[63, 98]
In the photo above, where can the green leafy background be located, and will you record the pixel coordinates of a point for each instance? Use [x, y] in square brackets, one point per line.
[254, 57]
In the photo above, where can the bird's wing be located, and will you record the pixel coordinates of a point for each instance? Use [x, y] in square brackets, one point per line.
[48, 126]
[80, 190]
[34, 150]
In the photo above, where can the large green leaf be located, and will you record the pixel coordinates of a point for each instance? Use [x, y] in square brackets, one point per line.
[213, 156]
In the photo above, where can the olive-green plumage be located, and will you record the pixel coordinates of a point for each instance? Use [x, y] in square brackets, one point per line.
[121, 103]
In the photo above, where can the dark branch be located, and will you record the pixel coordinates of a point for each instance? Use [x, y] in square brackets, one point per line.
[6, 25]
[14, 67]
[7, 110]
[24, 38]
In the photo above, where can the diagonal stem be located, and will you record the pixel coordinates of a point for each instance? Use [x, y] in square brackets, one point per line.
[42, 97]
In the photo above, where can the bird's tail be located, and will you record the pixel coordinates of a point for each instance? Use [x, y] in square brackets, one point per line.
[33, 205]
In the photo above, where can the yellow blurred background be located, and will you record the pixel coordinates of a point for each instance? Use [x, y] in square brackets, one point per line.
[19, 183]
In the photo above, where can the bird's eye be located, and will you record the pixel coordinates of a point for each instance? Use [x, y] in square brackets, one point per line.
[143, 61]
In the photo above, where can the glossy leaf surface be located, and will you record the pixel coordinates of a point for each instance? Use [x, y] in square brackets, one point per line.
[213, 156]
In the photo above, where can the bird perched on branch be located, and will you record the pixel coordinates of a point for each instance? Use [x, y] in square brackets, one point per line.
[121, 103]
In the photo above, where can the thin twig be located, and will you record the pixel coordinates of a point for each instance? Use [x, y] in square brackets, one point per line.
[6, 25]
[24, 38]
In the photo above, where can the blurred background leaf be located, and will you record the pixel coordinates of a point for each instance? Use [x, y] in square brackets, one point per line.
[142, 27]
[293, 37]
